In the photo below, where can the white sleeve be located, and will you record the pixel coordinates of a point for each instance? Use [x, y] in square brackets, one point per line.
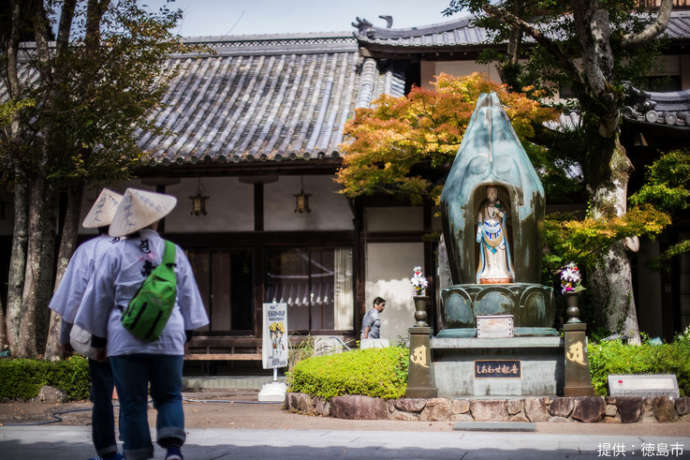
[188, 295]
[67, 296]
[99, 298]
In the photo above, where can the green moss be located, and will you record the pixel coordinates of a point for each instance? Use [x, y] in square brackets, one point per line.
[380, 372]
[23, 378]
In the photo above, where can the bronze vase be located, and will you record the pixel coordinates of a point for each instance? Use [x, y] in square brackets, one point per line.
[420, 305]
[572, 309]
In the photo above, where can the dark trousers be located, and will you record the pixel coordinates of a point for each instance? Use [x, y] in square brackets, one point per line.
[102, 420]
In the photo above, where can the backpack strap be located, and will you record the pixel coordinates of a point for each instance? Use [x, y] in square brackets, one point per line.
[169, 254]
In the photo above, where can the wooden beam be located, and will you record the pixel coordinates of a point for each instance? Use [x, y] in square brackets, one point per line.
[223, 357]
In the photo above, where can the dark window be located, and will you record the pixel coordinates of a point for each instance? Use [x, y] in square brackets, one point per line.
[314, 282]
[224, 278]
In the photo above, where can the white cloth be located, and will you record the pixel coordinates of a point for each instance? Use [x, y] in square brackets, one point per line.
[68, 295]
[119, 274]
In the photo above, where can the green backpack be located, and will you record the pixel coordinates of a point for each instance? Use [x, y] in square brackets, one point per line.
[149, 310]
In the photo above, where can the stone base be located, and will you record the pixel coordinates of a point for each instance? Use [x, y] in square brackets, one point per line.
[578, 391]
[541, 362]
[274, 391]
[517, 412]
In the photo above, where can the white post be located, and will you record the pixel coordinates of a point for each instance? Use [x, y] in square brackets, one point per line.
[275, 374]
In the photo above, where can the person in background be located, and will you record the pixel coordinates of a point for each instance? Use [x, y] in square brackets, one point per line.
[66, 301]
[136, 363]
[371, 324]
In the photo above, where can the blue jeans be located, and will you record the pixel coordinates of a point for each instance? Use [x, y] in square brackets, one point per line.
[102, 424]
[132, 375]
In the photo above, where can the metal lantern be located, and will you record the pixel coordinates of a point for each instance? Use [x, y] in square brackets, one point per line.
[302, 199]
[199, 201]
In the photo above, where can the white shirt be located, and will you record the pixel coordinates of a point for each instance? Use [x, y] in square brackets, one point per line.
[68, 295]
[119, 274]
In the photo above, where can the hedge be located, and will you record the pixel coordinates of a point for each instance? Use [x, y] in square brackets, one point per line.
[383, 372]
[380, 372]
[616, 358]
[23, 378]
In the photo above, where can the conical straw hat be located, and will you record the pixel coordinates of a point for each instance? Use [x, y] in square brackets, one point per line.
[139, 209]
[103, 209]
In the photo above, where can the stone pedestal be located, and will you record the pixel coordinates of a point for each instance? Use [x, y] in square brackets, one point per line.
[459, 366]
[420, 379]
[577, 379]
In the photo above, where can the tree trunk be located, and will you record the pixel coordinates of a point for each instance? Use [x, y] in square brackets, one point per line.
[17, 261]
[68, 242]
[38, 278]
[3, 336]
[612, 278]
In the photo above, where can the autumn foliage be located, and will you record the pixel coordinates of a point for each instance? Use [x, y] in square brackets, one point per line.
[394, 142]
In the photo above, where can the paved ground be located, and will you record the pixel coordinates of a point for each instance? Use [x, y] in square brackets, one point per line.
[242, 429]
[69, 442]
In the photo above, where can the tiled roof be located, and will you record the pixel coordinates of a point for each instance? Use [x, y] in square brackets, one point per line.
[462, 32]
[671, 108]
[263, 98]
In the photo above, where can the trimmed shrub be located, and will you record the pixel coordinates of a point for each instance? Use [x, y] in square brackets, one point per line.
[617, 358]
[23, 378]
[378, 372]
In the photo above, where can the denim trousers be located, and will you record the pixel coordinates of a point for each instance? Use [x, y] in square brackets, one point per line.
[102, 424]
[133, 374]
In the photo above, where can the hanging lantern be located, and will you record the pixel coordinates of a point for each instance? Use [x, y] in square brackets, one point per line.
[302, 199]
[199, 201]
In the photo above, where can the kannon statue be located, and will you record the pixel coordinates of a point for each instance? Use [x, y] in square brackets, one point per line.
[495, 266]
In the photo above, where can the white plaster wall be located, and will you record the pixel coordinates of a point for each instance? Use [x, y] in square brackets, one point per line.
[458, 68]
[394, 219]
[230, 206]
[329, 209]
[389, 267]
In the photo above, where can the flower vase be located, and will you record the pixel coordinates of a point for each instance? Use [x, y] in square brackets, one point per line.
[572, 309]
[420, 304]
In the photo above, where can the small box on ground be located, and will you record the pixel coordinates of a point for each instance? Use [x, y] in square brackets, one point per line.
[643, 385]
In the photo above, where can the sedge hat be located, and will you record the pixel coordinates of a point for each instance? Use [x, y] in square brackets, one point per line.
[103, 209]
[139, 209]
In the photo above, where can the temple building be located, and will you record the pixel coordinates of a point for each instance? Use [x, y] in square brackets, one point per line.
[252, 148]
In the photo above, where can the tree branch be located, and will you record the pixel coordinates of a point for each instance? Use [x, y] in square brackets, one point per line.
[652, 30]
[65, 28]
[548, 44]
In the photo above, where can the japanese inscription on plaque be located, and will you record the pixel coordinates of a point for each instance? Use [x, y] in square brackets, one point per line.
[497, 369]
[494, 326]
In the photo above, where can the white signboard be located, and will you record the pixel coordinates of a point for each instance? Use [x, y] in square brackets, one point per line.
[644, 385]
[275, 344]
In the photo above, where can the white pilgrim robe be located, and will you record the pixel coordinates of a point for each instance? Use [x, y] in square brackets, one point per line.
[119, 274]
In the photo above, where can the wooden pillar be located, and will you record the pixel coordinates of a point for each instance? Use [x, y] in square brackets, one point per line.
[358, 264]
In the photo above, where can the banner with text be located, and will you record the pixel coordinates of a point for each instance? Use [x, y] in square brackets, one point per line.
[275, 344]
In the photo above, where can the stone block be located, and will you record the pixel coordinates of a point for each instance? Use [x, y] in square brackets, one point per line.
[358, 407]
[404, 416]
[589, 409]
[322, 407]
[515, 406]
[50, 394]
[461, 418]
[410, 404]
[683, 406]
[460, 406]
[614, 419]
[300, 402]
[664, 409]
[488, 410]
[629, 409]
[557, 419]
[518, 418]
[611, 410]
[562, 407]
[536, 410]
[437, 409]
